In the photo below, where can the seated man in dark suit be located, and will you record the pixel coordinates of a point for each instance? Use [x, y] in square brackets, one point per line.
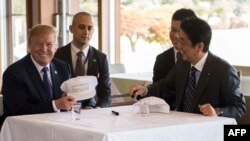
[203, 83]
[86, 60]
[32, 84]
[166, 60]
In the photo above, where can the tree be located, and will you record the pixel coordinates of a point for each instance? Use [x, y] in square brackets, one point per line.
[152, 24]
[159, 29]
[134, 25]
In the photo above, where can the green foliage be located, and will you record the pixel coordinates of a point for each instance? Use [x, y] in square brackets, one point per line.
[162, 2]
[18, 6]
[152, 24]
[126, 2]
[90, 6]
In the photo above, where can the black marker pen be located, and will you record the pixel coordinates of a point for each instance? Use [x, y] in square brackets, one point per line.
[115, 113]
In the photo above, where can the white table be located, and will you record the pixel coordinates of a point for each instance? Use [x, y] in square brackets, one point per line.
[101, 125]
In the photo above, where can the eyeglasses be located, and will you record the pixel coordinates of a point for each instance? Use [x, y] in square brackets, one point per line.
[174, 30]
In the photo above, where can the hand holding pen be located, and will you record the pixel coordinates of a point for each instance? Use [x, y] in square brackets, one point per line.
[138, 90]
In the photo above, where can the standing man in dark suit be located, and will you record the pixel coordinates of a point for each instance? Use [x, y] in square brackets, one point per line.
[211, 87]
[23, 86]
[166, 60]
[95, 63]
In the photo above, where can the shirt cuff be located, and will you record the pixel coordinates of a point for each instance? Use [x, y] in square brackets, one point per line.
[146, 91]
[54, 107]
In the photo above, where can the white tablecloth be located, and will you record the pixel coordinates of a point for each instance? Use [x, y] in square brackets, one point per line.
[102, 125]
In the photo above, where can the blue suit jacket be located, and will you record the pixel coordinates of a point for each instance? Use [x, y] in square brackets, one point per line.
[23, 90]
[97, 66]
[218, 85]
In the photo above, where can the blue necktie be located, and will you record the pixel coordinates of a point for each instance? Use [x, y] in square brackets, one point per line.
[47, 84]
[190, 90]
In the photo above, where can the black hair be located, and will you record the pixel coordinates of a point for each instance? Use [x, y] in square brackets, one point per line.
[183, 13]
[197, 31]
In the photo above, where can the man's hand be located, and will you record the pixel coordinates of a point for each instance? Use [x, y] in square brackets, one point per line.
[65, 102]
[207, 110]
[138, 90]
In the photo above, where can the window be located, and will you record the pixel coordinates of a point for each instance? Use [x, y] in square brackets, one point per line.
[145, 24]
[18, 28]
[90, 6]
[13, 31]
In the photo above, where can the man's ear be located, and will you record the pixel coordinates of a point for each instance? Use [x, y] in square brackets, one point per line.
[28, 48]
[200, 46]
[70, 28]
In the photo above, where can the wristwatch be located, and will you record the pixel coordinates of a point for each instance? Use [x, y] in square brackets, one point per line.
[218, 111]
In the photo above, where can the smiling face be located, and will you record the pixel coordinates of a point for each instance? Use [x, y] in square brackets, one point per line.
[174, 33]
[42, 43]
[191, 53]
[82, 29]
[42, 48]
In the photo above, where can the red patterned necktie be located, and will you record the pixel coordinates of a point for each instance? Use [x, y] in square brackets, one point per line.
[79, 69]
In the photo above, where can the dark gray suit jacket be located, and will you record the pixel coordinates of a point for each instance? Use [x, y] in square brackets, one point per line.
[23, 90]
[97, 66]
[218, 85]
[163, 64]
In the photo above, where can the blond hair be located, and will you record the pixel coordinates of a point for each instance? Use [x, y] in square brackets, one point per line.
[41, 29]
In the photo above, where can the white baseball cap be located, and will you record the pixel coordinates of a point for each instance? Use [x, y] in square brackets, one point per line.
[80, 87]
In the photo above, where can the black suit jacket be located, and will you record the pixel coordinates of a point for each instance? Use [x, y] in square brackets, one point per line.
[97, 66]
[163, 64]
[218, 85]
[23, 90]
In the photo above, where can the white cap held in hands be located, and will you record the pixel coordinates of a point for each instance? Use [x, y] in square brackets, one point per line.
[81, 87]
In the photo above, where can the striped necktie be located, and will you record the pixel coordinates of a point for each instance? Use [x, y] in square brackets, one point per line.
[190, 90]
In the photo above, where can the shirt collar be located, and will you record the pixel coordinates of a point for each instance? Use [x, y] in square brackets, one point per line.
[199, 66]
[76, 50]
[175, 51]
[38, 66]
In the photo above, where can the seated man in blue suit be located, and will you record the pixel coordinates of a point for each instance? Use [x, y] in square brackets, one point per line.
[202, 82]
[24, 90]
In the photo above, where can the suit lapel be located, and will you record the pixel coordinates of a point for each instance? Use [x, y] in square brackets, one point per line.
[92, 62]
[205, 75]
[35, 77]
[171, 57]
[182, 74]
[55, 81]
[68, 57]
